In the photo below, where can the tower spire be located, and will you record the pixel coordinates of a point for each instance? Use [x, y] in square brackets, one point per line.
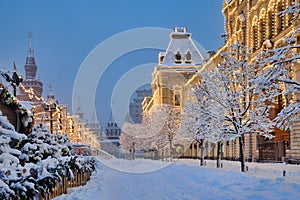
[30, 49]
[15, 67]
[30, 72]
[30, 66]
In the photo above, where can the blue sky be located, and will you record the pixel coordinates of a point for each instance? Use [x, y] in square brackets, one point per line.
[64, 33]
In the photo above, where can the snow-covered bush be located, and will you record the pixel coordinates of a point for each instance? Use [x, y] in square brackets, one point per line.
[33, 164]
[41, 144]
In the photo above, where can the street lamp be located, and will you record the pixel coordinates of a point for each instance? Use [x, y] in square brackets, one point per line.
[133, 149]
[170, 138]
[50, 106]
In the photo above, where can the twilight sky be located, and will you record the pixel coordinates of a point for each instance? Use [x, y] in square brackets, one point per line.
[66, 31]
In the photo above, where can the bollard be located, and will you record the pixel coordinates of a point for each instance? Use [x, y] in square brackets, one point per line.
[246, 168]
[221, 165]
[283, 173]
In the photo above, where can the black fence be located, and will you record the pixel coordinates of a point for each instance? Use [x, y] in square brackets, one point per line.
[271, 151]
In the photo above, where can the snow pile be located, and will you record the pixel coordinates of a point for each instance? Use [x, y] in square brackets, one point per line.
[32, 164]
[261, 170]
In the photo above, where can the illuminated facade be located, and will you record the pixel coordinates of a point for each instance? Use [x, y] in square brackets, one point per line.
[175, 67]
[171, 77]
[31, 89]
[257, 25]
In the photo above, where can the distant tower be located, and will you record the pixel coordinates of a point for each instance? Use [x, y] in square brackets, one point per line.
[30, 70]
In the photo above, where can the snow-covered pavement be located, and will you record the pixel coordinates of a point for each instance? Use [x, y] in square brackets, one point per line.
[184, 179]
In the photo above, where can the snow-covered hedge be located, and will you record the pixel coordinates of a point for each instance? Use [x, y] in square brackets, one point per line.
[33, 164]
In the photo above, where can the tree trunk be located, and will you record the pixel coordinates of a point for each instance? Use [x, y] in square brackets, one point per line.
[171, 152]
[242, 158]
[133, 150]
[219, 155]
[201, 153]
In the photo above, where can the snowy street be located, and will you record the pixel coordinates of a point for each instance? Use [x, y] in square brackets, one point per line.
[184, 179]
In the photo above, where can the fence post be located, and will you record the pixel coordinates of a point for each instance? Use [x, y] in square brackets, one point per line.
[65, 185]
[61, 187]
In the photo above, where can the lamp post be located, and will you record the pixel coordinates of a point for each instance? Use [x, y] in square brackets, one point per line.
[133, 149]
[50, 106]
[170, 138]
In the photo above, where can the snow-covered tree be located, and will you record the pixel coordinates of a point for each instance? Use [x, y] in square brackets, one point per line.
[279, 62]
[157, 130]
[192, 126]
[41, 144]
[130, 139]
[9, 140]
[232, 101]
[201, 127]
[11, 180]
[165, 122]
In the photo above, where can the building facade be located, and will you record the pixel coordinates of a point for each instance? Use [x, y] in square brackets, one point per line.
[175, 67]
[31, 88]
[110, 139]
[171, 77]
[257, 25]
[135, 107]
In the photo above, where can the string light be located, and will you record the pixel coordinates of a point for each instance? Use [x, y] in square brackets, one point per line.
[30, 92]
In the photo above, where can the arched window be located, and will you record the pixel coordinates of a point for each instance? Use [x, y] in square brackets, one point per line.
[290, 17]
[178, 58]
[280, 18]
[271, 24]
[262, 27]
[238, 30]
[262, 31]
[188, 56]
[271, 20]
[177, 100]
[254, 34]
[231, 26]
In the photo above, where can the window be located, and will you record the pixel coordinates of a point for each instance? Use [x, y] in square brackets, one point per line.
[280, 18]
[255, 37]
[161, 58]
[177, 100]
[262, 30]
[271, 21]
[178, 57]
[290, 15]
[188, 57]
